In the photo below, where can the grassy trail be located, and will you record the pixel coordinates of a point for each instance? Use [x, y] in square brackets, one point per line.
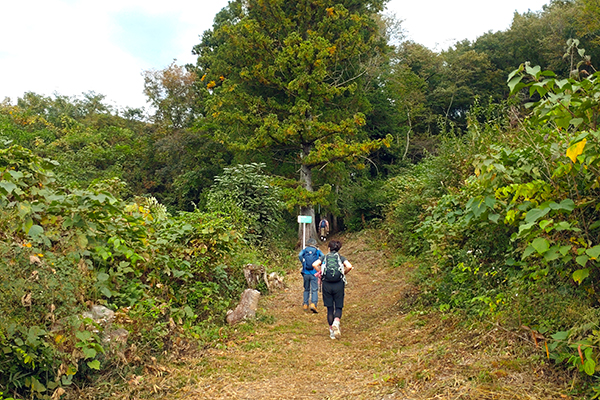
[387, 350]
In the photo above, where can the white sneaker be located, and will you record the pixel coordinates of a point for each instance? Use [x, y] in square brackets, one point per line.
[336, 329]
[331, 334]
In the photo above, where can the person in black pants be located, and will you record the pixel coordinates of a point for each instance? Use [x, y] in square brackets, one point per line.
[333, 268]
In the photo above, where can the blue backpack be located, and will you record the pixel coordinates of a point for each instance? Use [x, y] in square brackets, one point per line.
[311, 255]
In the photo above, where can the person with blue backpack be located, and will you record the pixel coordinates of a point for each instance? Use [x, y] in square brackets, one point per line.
[323, 228]
[333, 269]
[307, 257]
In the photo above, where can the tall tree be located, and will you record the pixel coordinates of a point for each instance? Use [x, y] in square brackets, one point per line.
[290, 77]
[465, 75]
[171, 92]
[409, 80]
[588, 19]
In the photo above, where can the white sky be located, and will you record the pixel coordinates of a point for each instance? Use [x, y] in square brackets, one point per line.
[70, 47]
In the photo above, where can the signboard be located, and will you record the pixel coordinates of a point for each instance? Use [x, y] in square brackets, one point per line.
[304, 219]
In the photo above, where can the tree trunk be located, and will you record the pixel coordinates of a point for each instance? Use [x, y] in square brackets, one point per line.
[306, 179]
[246, 309]
[335, 226]
[311, 229]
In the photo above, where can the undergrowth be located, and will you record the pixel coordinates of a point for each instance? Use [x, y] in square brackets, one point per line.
[169, 279]
[513, 236]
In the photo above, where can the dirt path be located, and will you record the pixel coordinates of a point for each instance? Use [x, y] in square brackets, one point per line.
[387, 350]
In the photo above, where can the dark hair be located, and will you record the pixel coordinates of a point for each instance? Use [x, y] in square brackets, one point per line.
[335, 245]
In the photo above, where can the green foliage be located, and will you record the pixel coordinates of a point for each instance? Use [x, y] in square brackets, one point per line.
[407, 192]
[506, 209]
[291, 80]
[25, 358]
[38, 361]
[86, 149]
[467, 74]
[515, 232]
[181, 167]
[557, 213]
[171, 92]
[362, 203]
[258, 199]
[426, 199]
[90, 144]
[62, 249]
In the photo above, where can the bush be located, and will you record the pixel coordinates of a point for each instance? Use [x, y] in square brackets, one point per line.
[245, 186]
[515, 234]
[64, 249]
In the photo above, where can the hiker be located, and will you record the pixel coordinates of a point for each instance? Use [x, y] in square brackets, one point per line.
[333, 269]
[307, 257]
[323, 228]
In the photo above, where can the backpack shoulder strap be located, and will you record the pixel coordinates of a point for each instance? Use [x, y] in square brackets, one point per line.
[339, 261]
[341, 267]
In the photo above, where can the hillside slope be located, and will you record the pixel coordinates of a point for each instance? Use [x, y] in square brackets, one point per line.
[388, 350]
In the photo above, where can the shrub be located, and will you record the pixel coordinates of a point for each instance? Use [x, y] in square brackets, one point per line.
[62, 249]
[519, 231]
[246, 187]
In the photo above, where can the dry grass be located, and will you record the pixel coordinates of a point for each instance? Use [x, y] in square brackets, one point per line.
[387, 351]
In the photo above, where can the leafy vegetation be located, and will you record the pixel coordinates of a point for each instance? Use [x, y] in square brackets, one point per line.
[488, 174]
[259, 201]
[63, 249]
[516, 236]
[290, 80]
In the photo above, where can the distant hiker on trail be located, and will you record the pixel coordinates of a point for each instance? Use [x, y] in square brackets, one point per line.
[308, 256]
[323, 228]
[333, 269]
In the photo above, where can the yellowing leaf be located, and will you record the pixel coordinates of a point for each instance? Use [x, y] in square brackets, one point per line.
[593, 252]
[576, 149]
[580, 275]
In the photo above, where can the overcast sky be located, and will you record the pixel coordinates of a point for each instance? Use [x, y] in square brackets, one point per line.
[74, 46]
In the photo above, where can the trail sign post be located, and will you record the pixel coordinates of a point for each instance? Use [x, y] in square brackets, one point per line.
[304, 219]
